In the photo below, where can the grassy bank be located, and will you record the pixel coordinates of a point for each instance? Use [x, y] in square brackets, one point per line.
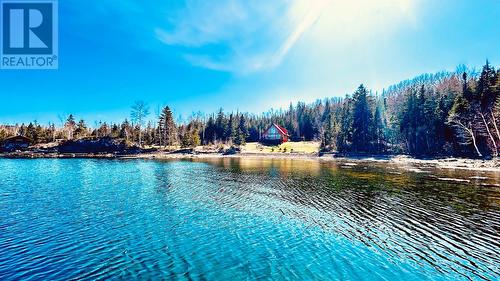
[304, 147]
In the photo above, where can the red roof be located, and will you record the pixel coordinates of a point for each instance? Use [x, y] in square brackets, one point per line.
[281, 129]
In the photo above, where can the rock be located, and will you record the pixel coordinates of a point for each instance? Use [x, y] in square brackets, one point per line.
[97, 145]
[232, 150]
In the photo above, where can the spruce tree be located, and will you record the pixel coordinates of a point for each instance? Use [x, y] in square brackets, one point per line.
[328, 138]
[362, 121]
[241, 132]
[167, 128]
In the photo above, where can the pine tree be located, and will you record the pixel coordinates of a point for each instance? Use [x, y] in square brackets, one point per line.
[328, 138]
[379, 127]
[195, 138]
[464, 118]
[70, 126]
[125, 130]
[81, 129]
[231, 131]
[487, 95]
[210, 130]
[241, 132]
[362, 121]
[344, 137]
[220, 126]
[31, 133]
[167, 127]
[115, 131]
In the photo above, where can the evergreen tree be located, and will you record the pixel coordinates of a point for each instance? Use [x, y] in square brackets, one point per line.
[241, 132]
[31, 132]
[344, 137]
[362, 121]
[167, 127]
[103, 130]
[329, 132]
[231, 131]
[81, 129]
[464, 118]
[220, 126]
[125, 130]
[195, 138]
[211, 130]
[115, 131]
[379, 127]
[433, 114]
[70, 126]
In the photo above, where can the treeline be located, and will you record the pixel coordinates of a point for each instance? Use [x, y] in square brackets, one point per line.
[444, 114]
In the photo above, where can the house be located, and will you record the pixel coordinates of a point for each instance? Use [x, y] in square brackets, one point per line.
[275, 134]
[15, 143]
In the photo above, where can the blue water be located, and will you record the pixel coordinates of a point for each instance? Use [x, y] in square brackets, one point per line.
[242, 220]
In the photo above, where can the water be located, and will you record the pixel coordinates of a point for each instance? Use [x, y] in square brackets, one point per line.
[243, 220]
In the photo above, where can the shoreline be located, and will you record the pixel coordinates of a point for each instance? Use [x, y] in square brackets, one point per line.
[400, 160]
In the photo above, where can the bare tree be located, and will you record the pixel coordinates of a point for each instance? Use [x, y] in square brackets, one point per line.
[140, 110]
[495, 115]
[486, 121]
[464, 116]
[466, 131]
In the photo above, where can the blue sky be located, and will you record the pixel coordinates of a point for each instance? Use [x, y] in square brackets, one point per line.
[197, 55]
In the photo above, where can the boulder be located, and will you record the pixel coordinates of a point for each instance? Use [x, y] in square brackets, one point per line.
[97, 146]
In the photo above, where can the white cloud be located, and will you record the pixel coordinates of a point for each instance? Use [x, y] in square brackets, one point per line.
[205, 22]
[247, 36]
[241, 36]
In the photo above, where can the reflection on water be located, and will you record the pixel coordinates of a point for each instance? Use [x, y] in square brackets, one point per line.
[246, 219]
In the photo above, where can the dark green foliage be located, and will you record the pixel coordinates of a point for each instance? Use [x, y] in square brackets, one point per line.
[362, 121]
[379, 127]
[241, 132]
[441, 114]
[328, 139]
[167, 130]
[81, 129]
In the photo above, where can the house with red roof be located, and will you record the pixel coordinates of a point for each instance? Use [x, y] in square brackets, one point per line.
[275, 134]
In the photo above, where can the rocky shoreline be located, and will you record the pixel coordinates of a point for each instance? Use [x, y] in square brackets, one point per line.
[399, 160]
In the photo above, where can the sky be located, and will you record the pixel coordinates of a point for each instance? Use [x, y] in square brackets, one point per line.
[240, 55]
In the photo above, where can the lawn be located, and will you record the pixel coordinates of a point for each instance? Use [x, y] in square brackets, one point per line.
[288, 147]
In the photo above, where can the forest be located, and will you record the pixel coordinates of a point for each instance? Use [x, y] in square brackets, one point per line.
[432, 115]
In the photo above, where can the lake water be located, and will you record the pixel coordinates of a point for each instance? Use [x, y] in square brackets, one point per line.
[230, 219]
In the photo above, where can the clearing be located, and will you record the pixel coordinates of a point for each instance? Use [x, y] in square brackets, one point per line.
[308, 147]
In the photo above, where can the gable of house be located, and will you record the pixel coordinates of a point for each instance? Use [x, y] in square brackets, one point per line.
[273, 133]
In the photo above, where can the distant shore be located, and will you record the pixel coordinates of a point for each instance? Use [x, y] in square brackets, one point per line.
[399, 160]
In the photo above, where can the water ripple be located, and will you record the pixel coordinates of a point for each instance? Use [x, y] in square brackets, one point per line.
[244, 219]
